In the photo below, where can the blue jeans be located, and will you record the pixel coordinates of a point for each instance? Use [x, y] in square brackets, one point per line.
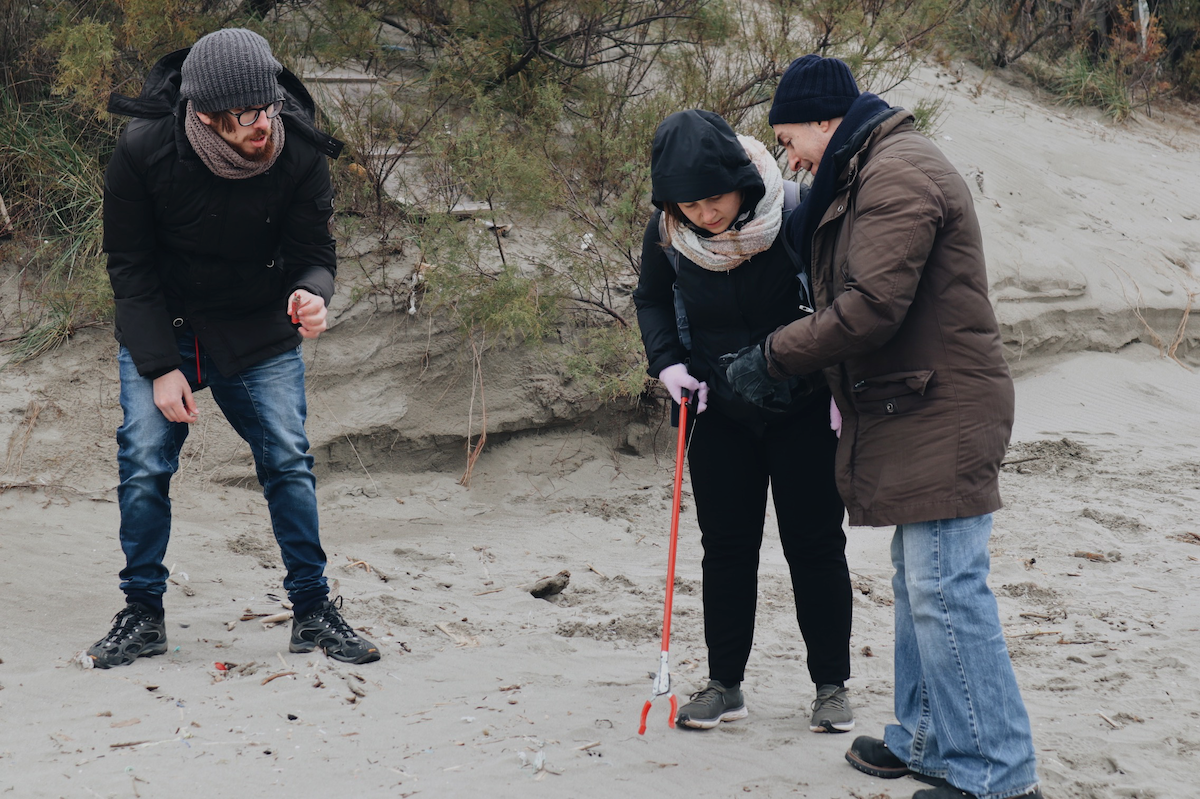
[960, 711]
[266, 406]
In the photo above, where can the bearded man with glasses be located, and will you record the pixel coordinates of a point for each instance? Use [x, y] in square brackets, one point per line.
[217, 209]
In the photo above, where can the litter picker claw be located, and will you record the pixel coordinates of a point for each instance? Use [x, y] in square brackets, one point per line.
[662, 681]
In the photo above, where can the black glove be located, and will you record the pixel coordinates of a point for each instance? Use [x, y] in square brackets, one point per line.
[749, 378]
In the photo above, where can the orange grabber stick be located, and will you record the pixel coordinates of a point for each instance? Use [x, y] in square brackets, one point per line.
[662, 681]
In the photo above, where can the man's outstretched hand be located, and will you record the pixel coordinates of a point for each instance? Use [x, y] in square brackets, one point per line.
[308, 311]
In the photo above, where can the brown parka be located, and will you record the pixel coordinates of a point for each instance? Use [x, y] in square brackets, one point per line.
[906, 335]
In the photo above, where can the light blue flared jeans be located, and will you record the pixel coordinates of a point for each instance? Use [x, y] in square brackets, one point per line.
[960, 711]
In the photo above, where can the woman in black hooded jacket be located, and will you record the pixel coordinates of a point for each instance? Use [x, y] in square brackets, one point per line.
[714, 247]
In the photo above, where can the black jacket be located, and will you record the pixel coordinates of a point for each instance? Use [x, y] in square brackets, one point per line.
[189, 250]
[726, 311]
[697, 155]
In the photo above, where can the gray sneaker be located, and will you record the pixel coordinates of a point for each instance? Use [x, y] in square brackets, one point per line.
[137, 632]
[712, 705]
[831, 710]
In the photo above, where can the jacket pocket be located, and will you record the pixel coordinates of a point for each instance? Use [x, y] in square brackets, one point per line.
[891, 394]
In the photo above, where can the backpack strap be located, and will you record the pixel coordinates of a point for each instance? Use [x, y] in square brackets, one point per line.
[681, 321]
[806, 297]
[791, 195]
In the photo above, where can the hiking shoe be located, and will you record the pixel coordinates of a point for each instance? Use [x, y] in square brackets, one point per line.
[872, 756]
[712, 705]
[137, 632]
[831, 710]
[325, 628]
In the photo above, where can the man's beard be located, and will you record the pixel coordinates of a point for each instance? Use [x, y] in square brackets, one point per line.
[260, 154]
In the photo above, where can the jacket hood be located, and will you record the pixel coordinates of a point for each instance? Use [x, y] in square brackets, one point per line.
[160, 97]
[697, 155]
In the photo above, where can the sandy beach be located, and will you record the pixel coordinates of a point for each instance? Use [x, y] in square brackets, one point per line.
[1093, 240]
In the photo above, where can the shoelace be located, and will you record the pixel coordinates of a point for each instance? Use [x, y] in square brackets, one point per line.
[123, 624]
[835, 700]
[706, 693]
[334, 618]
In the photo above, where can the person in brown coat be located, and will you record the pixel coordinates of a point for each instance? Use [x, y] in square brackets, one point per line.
[911, 348]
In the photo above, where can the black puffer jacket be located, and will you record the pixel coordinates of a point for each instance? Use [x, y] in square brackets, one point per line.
[696, 155]
[187, 249]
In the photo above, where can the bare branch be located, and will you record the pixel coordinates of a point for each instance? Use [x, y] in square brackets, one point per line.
[601, 306]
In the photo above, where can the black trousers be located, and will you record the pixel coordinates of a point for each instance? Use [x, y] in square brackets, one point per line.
[730, 469]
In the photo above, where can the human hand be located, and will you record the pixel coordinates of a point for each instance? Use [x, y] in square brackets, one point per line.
[676, 378]
[307, 310]
[173, 396]
[749, 378]
[835, 418]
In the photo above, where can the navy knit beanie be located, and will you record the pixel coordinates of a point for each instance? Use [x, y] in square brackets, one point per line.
[230, 68]
[813, 89]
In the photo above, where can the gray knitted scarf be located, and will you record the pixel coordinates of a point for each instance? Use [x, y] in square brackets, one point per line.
[219, 156]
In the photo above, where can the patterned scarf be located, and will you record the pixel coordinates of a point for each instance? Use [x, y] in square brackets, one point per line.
[730, 248]
[221, 159]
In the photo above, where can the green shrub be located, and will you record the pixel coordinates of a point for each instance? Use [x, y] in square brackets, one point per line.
[54, 183]
[927, 114]
[537, 113]
[995, 33]
[1082, 81]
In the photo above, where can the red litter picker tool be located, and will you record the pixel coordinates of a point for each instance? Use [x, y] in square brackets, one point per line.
[662, 681]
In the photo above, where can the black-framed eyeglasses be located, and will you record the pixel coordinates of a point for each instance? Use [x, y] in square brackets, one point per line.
[248, 116]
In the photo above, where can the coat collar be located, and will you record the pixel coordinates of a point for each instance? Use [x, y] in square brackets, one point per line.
[867, 142]
[873, 136]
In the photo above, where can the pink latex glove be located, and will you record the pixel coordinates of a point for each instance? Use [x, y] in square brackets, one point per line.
[835, 418]
[676, 378]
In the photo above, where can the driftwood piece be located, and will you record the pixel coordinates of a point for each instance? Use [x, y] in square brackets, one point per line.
[549, 586]
[277, 675]
[277, 618]
[1096, 557]
[6, 227]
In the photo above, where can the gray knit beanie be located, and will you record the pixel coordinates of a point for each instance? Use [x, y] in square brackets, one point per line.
[230, 68]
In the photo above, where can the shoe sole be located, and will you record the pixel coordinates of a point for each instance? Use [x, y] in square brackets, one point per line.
[148, 652]
[369, 657]
[876, 771]
[828, 726]
[305, 647]
[708, 724]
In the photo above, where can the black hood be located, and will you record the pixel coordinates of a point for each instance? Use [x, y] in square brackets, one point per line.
[160, 97]
[697, 155]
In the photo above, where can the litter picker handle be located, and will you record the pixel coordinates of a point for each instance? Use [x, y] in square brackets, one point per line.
[662, 682]
[680, 454]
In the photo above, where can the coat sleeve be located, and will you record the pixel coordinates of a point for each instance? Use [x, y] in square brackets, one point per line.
[655, 302]
[142, 318]
[898, 212]
[308, 248]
